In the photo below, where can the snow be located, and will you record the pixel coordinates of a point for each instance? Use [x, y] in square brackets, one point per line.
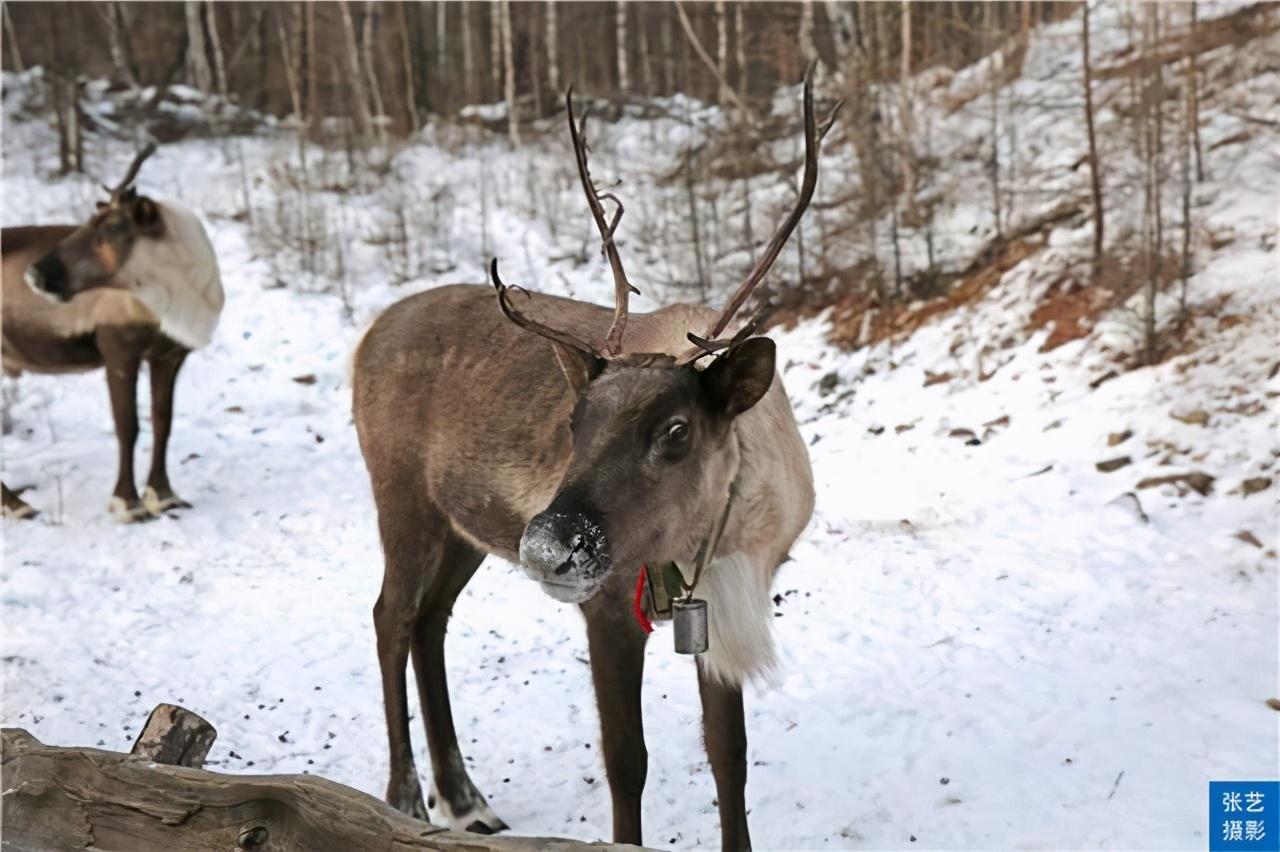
[979, 648]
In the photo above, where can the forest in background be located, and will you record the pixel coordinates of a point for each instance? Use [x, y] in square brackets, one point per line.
[359, 81]
[400, 61]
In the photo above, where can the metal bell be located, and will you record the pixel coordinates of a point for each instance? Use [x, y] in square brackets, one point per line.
[689, 619]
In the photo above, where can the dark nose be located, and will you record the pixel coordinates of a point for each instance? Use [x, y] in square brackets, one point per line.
[48, 277]
[557, 545]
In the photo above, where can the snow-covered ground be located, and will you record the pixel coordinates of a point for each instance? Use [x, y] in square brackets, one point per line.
[980, 649]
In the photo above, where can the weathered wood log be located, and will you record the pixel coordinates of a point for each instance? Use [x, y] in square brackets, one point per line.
[76, 798]
[175, 736]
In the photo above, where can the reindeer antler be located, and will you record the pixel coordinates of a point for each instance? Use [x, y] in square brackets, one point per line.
[813, 136]
[622, 288]
[567, 338]
[708, 344]
[133, 171]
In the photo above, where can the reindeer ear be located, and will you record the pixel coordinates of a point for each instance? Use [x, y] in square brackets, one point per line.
[579, 368]
[738, 380]
[146, 215]
[145, 211]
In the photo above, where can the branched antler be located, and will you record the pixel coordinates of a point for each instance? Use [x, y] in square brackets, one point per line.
[813, 135]
[621, 287]
[611, 348]
[509, 310]
[132, 173]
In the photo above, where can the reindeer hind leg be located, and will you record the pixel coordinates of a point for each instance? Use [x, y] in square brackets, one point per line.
[15, 506]
[454, 799]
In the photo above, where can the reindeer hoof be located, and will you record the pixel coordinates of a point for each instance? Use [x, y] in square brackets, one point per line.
[407, 798]
[472, 814]
[20, 512]
[157, 503]
[128, 511]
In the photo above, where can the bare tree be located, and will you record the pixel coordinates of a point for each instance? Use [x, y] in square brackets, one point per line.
[1184, 157]
[710, 63]
[15, 56]
[1151, 114]
[215, 42]
[371, 12]
[198, 73]
[117, 41]
[553, 52]
[351, 53]
[1095, 178]
[993, 164]
[468, 55]
[509, 73]
[406, 60]
[722, 49]
[1193, 81]
[843, 27]
[495, 45]
[906, 125]
[624, 82]
[740, 46]
[808, 47]
[442, 35]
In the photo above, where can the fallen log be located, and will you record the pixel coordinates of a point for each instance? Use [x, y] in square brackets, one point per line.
[77, 798]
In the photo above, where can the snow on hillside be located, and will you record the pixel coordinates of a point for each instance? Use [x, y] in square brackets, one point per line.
[982, 649]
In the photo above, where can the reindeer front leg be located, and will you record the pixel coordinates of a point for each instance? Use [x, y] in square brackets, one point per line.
[616, 645]
[725, 732]
[165, 360]
[122, 348]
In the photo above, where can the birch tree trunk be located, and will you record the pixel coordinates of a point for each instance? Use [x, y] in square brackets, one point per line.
[495, 45]
[117, 40]
[355, 78]
[406, 58]
[371, 12]
[646, 65]
[807, 45]
[219, 65]
[1095, 178]
[468, 55]
[722, 50]
[1184, 151]
[624, 82]
[312, 93]
[442, 34]
[553, 50]
[740, 47]
[1194, 84]
[906, 124]
[994, 163]
[14, 56]
[1156, 167]
[842, 28]
[509, 74]
[198, 73]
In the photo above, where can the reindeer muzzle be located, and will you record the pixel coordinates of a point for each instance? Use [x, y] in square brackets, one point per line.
[567, 553]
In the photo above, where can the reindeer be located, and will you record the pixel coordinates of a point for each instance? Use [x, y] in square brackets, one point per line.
[584, 450]
[138, 281]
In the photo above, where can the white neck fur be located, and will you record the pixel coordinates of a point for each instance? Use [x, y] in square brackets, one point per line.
[176, 276]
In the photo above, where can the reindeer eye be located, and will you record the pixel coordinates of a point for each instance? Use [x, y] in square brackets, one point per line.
[678, 431]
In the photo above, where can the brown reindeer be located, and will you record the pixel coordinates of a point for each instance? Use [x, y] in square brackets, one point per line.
[591, 447]
[137, 282]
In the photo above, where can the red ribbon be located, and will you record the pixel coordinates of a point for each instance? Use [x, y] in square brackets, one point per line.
[641, 618]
